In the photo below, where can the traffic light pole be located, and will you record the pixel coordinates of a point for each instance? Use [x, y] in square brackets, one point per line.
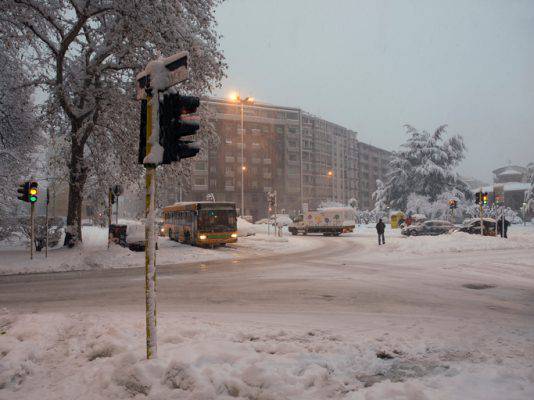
[46, 225]
[32, 234]
[109, 216]
[150, 244]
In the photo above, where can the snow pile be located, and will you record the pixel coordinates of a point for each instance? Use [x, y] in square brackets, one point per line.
[103, 357]
[245, 228]
[460, 242]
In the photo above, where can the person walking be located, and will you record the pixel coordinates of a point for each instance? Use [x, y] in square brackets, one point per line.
[501, 225]
[380, 228]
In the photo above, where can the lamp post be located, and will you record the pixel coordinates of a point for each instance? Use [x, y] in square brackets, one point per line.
[242, 101]
[331, 176]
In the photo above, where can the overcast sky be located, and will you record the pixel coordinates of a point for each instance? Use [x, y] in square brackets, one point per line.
[374, 66]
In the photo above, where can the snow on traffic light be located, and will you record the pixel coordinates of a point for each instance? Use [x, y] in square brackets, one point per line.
[177, 119]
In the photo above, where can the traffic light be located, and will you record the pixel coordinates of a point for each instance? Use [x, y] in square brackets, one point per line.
[175, 122]
[485, 198]
[478, 197]
[28, 191]
[453, 204]
[33, 192]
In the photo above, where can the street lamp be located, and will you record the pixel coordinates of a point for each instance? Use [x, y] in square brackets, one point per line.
[331, 176]
[234, 97]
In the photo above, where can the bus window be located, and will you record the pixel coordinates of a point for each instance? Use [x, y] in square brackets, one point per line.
[217, 220]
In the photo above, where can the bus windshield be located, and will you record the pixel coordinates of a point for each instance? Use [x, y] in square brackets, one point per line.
[217, 220]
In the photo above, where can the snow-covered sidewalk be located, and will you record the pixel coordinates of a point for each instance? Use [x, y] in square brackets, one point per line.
[93, 254]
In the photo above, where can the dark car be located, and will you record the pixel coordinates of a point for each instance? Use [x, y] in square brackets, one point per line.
[429, 228]
[473, 226]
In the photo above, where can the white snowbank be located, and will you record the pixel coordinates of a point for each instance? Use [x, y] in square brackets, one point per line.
[460, 242]
[94, 253]
[96, 357]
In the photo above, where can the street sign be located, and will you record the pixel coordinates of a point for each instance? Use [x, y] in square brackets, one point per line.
[177, 71]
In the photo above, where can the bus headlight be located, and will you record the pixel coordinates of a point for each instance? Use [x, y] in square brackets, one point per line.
[234, 235]
[202, 237]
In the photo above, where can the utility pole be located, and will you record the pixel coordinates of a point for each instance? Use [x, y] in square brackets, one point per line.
[242, 159]
[241, 101]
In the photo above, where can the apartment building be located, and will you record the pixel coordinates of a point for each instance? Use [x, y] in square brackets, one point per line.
[306, 159]
[373, 165]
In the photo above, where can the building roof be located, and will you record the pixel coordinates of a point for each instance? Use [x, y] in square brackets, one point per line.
[510, 170]
[508, 187]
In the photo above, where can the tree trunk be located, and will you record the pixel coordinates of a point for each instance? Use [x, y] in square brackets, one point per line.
[77, 177]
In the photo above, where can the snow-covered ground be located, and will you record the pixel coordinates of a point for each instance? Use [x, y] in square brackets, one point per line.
[519, 237]
[420, 318]
[93, 357]
[94, 253]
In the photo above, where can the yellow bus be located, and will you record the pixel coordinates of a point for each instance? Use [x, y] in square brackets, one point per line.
[201, 223]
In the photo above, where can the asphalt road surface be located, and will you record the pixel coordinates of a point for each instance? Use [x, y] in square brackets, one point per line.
[339, 276]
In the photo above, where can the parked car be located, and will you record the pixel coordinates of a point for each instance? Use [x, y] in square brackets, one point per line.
[473, 226]
[429, 228]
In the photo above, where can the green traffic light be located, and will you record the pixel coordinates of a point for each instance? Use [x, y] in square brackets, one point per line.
[33, 199]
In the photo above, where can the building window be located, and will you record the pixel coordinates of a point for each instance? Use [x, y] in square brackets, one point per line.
[229, 159]
[201, 166]
[228, 140]
[267, 161]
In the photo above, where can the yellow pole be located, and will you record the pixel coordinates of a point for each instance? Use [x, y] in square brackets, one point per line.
[150, 252]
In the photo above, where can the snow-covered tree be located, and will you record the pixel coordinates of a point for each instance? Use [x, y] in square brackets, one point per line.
[19, 129]
[425, 166]
[84, 55]
[379, 196]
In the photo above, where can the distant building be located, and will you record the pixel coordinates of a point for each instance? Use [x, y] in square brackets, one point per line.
[306, 159]
[512, 180]
[373, 165]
